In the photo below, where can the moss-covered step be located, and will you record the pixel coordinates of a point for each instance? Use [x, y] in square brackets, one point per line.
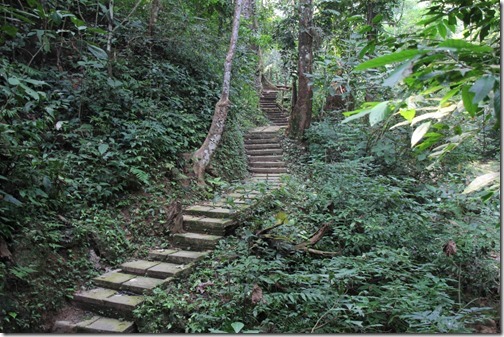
[108, 302]
[207, 225]
[119, 280]
[195, 241]
[209, 211]
[176, 256]
[156, 269]
[99, 324]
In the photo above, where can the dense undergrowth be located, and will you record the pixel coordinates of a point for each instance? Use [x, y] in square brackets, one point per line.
[389, 273]
[93, 143]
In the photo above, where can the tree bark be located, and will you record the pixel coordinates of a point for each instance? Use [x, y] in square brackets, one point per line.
[203, 155]
[155, 8]
[110, 36]
[301, 114]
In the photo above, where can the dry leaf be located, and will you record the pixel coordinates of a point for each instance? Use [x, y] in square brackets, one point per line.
[257, 295]
[450, 248]
[201, 287]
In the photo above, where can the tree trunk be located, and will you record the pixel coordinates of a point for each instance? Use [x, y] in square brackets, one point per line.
[155, 8]
[110, 36]
[203, 155]
[301, 114]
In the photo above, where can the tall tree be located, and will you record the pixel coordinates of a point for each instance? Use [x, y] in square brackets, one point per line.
[301, 114]
[203, 155]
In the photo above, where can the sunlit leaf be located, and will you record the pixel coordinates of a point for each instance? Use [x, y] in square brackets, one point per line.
[481, 181]
[419, 133]
[378, 113]
[408, 114]
[467, 99]
[102, 148]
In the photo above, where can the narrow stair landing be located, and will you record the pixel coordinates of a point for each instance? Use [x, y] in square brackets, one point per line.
[108, 306]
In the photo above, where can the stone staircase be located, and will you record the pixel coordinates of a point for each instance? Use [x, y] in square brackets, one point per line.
[108, 306]
[268, 104]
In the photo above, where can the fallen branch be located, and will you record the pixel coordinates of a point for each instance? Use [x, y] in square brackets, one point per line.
[315, 238]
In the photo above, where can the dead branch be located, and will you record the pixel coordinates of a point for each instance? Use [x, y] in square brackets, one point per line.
[315, 238]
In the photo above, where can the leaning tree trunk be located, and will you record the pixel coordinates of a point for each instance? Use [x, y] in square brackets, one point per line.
[301, 113]
[203, 155]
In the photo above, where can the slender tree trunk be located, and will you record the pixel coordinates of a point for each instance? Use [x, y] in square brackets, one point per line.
[110, 36]
[155, 8]
[301, 114]
[203, 155]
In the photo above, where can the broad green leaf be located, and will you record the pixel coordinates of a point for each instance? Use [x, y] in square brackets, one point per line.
[237, 326]
[481, 181]
[408, 114]
[390, 58]
[400, 73]
[356, 116]
[442, 30]
[449, 95]
[467, 99]
[378, 113]
[97, 52]
[102, 148]
[482, 87]
[13, 81]
[419, 133]
[464, 45]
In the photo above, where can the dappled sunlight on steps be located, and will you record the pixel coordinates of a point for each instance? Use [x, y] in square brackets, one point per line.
[108, 307]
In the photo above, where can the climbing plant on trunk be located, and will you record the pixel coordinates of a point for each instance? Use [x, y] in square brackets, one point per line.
[202, 156]
[301, 114]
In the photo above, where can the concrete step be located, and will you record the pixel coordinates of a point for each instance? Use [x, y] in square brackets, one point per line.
[265, 158]
[264, 152]
[176, 255]
[206, 225]
[276, 164]
[210, 211]
[195, 241]
[108, 302]
[269, 136]
[262, 140]
[95, 324]
[267, 170]
[119, 280]
[262, 146]
[155, 269]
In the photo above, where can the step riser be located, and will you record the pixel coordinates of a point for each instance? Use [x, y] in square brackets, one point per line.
[262, 147]
[212, 229]
[265, 158]
[264, 152]
[267, 165]
[267, 170]
[261, 141]
[106, 311]
[197, 245]
[261, 136]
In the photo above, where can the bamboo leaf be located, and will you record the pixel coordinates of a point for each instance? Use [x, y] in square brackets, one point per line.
[419, 133]
[481, 181]
[390, 58]
[464, 45]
